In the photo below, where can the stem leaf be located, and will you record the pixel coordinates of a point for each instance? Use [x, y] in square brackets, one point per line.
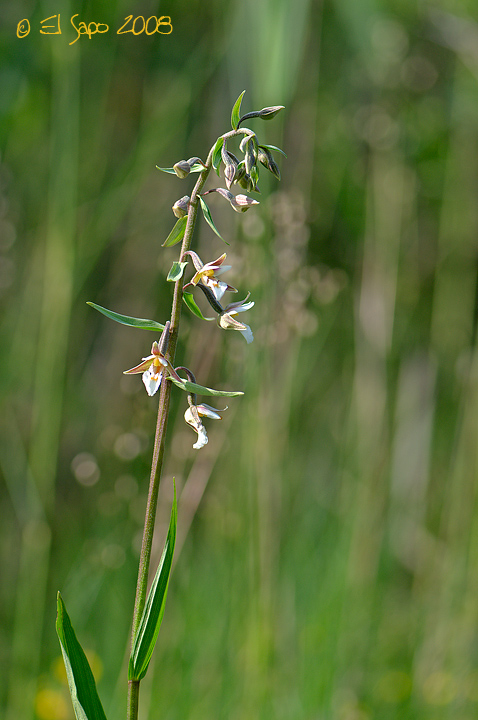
[274, 147]
[197, 167]
[191, 387]
[153, 612]
[127, 320]
[176, 272]
[84, 696]
[191, 303]
[208, 218]
[177, 233]
[236, 111]
[217, 154]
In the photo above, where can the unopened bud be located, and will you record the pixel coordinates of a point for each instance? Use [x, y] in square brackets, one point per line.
[265, 157]
[243, 202]
[250, 154]
[180, 207]
[182, 168]
[269, 112]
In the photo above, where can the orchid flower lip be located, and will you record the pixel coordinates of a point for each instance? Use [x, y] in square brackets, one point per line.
[152, 368]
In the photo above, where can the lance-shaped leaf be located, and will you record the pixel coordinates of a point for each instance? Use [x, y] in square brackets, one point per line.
[216, 154]
[191, 304]
[176, 272]
[236, 111]
[177, 233]
[197, 167]
[208, 218]
[191, 387]
[127, 320]
[153, 612]
[274, 147]
[84, 696]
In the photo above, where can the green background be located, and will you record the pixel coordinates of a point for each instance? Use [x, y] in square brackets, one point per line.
[327, 557]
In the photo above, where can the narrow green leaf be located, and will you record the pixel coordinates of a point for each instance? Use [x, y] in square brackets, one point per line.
[191, 387]
[208, 218]
[191, 303]
[274, 147]
[127, 320]
[153, 612]
[197, 167]
[216, 154]
[84, 696]
[177, 233]
[236, 111]
[176, 272]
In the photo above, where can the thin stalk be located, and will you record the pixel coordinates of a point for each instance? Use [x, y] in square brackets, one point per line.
[161, 427]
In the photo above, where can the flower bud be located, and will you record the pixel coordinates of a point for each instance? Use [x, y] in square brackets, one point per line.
[269, 112]
[182, 168]
[239, 203]
[180, 207]
[264, 156]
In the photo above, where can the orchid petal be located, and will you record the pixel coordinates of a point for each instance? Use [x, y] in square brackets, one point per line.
[142, 367]
[152, 381]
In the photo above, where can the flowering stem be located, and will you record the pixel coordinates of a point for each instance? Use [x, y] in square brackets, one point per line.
[161, 427]
[159, 441]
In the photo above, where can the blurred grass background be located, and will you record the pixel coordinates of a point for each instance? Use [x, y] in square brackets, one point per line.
[327, 562]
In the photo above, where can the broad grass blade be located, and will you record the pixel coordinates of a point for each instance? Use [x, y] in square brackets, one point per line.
[84, 696]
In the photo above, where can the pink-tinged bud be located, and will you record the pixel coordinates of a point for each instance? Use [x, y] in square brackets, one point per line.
[243, 202]
[239, 203]
[180, 207]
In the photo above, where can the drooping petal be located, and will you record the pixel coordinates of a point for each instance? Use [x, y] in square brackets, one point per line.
[247, 333]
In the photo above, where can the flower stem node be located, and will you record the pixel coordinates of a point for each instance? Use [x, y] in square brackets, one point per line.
[153, 368]
[193, 416]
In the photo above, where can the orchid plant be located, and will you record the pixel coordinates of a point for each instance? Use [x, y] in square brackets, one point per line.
[159, 375]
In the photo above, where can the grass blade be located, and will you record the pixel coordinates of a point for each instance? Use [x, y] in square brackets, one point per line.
[84, 696]
[153, 612]
[141, 323]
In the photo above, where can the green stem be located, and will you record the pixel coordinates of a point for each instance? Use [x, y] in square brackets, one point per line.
[160, 437]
